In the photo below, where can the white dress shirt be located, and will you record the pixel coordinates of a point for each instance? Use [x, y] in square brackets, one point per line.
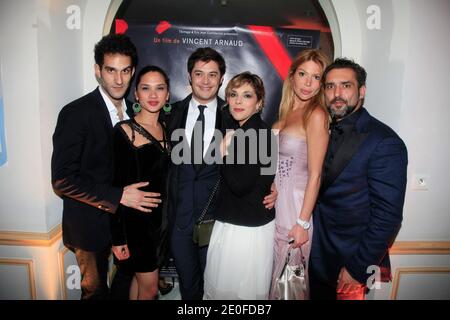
[112, 108]
[210, 121]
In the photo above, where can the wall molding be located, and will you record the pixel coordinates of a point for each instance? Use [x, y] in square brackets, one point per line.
[28, 263]
[31, 239]
[62, 271]
[110, 14]
[330, 13]
[420, 247]
[413, 270]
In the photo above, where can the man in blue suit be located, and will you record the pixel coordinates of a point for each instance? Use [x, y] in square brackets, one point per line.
[190, 185]
[359, 208]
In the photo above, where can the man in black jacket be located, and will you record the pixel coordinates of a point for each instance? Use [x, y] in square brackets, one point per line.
[82, 165]
[190, 184]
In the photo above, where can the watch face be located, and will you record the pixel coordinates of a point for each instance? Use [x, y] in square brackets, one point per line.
[306, 225]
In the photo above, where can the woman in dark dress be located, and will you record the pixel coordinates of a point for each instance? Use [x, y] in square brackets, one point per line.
[141, 153]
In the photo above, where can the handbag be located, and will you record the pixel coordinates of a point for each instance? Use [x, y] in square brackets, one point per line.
[291, 284]
[202, 232]
[203, 228]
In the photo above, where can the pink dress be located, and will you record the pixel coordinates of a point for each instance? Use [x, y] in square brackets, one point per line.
[290, 180]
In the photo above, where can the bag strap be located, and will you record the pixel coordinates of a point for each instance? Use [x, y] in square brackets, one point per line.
[302, 257]
[208, 203]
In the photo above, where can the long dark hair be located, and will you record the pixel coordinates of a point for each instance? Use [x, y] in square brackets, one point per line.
[152, 68]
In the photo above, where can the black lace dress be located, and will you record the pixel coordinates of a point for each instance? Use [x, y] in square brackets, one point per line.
[144, 233]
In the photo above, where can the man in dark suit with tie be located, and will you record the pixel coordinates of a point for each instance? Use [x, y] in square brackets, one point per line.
[82, 165]
[359, 208]
[191, 182]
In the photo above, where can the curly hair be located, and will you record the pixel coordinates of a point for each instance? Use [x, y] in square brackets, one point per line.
[115, 44]
[151, 68]
[344, 63]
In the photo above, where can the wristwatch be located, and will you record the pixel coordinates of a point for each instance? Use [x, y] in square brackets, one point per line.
[304, 224]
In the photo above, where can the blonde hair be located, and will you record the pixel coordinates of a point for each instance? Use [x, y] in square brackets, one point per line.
[287, 95]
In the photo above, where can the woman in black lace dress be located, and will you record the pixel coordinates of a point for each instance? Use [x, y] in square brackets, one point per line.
[141, 153]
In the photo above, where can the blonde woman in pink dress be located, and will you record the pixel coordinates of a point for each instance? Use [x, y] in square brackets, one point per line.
[303, 140]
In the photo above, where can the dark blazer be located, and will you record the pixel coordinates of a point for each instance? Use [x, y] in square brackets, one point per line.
[82, 171]
[179, 180]
[359, 208]
[244, 187]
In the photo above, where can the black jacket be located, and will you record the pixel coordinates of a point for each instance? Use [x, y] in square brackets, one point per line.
[360, 206]
[192, 191]
[82, 171]
[244, 186]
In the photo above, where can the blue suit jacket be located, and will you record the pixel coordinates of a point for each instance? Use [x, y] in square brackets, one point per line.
[360, 204]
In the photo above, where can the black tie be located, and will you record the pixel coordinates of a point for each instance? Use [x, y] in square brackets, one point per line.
[196, 139]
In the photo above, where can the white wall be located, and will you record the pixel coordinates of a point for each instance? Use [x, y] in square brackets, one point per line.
[425, 115]
[22, 205]
[42, 69]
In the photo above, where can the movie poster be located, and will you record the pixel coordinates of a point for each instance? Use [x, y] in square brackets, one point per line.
[265, 51]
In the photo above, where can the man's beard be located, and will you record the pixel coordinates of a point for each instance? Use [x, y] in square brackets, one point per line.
[342, 112]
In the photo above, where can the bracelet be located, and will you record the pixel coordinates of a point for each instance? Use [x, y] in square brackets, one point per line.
[304, 224]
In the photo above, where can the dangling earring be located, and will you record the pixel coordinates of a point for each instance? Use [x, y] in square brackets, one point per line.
[136, 107]
[167, 107]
